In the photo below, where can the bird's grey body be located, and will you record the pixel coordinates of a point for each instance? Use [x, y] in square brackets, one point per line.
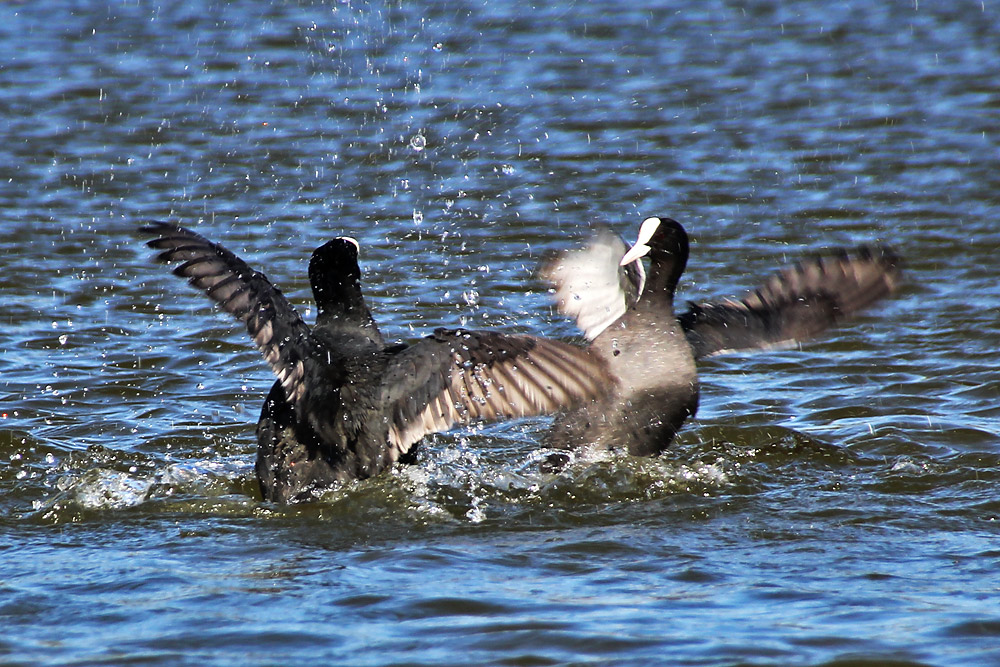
[628, 315]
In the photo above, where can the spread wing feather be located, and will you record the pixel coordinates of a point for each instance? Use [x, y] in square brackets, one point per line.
[795, 304]
[459, 376]
[272, 322]
[589, 285]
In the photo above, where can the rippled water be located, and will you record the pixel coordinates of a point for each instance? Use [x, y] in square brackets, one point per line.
[834, 504]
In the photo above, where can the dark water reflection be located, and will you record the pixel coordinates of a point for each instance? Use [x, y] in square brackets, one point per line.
[834, 503]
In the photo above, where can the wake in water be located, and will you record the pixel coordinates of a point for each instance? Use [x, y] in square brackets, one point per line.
[494, 474]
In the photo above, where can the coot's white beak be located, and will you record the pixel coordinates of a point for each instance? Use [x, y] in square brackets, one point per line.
[640, 249]
[353, 240]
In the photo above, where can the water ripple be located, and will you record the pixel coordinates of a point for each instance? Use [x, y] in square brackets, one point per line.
[833, 504]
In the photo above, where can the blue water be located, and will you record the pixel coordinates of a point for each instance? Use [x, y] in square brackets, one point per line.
[833, 504]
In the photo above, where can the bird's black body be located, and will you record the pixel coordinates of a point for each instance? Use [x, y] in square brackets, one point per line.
[347, 405]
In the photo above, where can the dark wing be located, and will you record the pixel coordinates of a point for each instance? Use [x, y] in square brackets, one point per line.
[273, 323]
[590, 286]
[795, 304]
[458, 376]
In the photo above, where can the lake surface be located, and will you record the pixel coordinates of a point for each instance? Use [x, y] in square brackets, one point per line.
[833, 504]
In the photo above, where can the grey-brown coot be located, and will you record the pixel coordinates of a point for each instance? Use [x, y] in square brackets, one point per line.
[628, 316]
[346, 405]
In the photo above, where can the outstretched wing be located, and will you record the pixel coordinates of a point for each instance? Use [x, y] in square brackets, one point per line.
[458, 376]
[795, 304]
[272, 322]
[590, 286]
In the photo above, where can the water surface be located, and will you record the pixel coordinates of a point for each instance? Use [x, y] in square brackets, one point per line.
[833, 504]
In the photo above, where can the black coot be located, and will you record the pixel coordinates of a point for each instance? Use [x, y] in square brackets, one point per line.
[347, 405]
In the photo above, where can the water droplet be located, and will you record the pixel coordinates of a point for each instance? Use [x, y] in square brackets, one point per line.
[63, 339]
[418, 217]
[438, 47]
[418, 142]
